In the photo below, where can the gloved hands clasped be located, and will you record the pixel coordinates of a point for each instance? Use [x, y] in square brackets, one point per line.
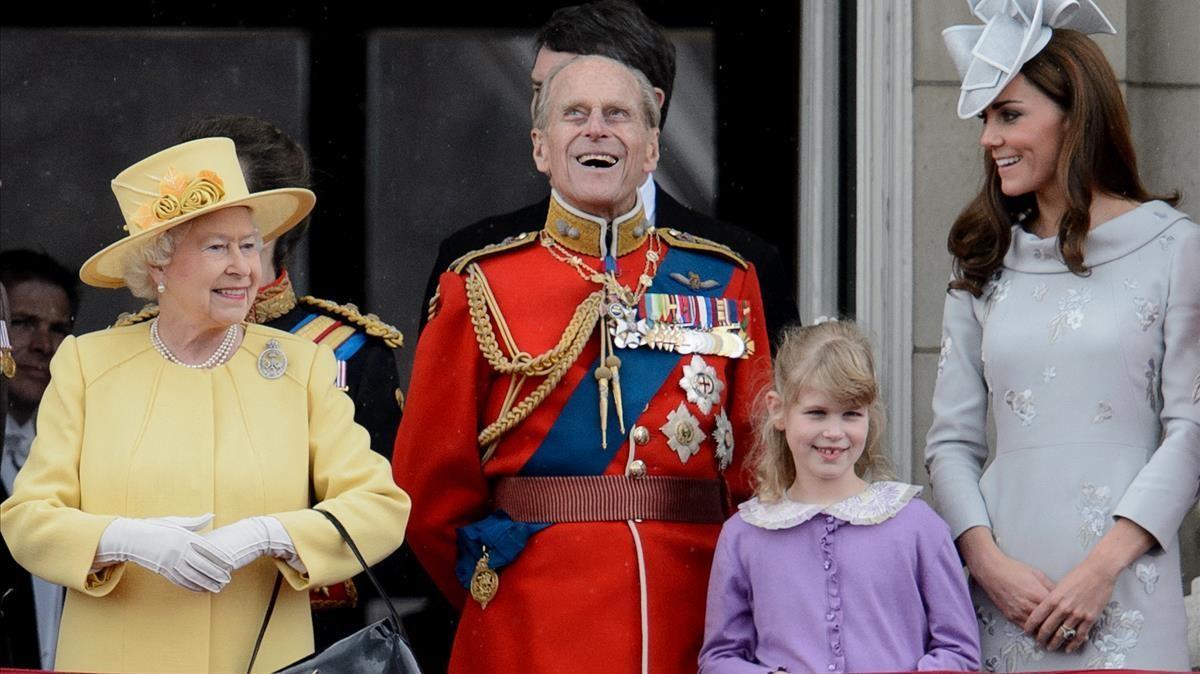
[172, 548]
[168, 546]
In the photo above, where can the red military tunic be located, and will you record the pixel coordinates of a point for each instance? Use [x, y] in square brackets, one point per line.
[597, 596]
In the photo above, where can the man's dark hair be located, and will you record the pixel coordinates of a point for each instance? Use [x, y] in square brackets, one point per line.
[270, 160]
[619, 30]
[20, 265]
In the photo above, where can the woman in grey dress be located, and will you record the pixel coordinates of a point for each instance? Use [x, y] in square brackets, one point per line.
[1080, 326]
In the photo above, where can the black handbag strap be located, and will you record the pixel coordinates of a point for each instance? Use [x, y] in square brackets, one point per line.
[266, 619]
[393, 616]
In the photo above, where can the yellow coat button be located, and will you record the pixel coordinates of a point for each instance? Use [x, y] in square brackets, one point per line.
[637, 468]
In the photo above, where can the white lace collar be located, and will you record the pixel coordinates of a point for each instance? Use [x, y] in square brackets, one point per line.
[879, 502]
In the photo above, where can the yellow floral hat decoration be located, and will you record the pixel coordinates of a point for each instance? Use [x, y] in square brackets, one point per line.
[182, 183]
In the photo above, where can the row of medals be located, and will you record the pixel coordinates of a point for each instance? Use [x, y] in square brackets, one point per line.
[629, 332]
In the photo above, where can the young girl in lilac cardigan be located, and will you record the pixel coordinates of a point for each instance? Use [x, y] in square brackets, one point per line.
[823, 571]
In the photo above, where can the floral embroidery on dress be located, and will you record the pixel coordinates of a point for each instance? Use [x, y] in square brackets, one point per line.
[1154, 394]
[1148, 575]
[1048, 374]
[1039, 291]
[987, 620]
[997, 290]
[1103, 412]
[1093, 508]
[947, 345]
[1019, 649]
[1130, 284]
[1021, 405]
[1147, 312]
[1166, 240]
[1070, 312]
[1115, 633]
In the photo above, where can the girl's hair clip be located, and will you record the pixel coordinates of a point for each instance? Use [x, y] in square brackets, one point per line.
[824, 319]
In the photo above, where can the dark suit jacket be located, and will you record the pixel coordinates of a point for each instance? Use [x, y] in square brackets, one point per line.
[778, 300]
[19, 645]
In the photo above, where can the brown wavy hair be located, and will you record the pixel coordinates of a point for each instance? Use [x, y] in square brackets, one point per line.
[832, 357]
[1096, 155]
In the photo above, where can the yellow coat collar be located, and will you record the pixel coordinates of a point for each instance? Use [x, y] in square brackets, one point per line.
[588, 234]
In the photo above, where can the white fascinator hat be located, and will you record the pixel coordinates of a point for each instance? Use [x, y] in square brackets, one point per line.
[988, 57]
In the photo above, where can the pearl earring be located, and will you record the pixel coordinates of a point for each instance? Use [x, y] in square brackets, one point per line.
[162, 287]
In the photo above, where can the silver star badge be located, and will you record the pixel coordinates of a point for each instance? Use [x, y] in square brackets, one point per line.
[683, 432]
[723, 435]
[702, 385]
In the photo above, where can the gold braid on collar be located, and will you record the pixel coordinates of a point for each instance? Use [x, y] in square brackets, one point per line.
[581, 232]
[273, 300]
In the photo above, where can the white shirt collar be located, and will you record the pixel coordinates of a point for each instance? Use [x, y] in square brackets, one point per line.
[18, 438]
[879, 502]
[649, 198]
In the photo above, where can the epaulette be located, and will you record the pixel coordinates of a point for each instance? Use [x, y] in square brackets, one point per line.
[144, 314]
[369, 322]
[507, 244]
[675, 237]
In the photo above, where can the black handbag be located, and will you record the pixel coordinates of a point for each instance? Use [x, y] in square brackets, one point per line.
[378, 648]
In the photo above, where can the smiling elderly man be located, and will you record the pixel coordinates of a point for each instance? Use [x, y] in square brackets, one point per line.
[579, 409]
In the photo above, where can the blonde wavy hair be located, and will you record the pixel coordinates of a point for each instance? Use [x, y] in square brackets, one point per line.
[832, 357]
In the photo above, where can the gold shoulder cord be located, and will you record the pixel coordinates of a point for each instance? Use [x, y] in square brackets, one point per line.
[371, 323]
[144, 314]
[553, 364]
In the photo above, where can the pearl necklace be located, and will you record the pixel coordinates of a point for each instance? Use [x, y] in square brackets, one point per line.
[224, 350]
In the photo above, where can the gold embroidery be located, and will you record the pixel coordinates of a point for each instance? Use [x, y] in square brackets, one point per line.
[371, 323]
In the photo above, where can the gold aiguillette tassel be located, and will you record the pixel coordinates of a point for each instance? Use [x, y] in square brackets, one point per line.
[603, 374]
[614, 366]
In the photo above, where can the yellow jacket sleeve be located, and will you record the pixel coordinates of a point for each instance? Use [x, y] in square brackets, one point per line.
[45, 529]
[350, 481]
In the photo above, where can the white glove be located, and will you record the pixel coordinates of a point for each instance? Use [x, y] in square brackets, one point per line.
[169, 547]
[248, 539]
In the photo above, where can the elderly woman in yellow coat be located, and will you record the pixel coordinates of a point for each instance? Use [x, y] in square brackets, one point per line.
[176, 461]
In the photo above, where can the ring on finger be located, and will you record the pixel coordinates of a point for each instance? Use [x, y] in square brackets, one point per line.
[1067, 633]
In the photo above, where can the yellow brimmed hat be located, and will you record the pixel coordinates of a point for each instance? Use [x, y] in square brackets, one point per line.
[184, 182]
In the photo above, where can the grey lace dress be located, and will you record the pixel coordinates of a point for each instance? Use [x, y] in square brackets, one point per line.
[1094, 384]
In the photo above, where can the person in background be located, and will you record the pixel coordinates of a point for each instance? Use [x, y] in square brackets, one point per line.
[42, 300]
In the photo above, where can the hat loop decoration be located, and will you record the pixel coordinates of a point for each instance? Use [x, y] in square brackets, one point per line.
[182, 183]
[988, 57]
